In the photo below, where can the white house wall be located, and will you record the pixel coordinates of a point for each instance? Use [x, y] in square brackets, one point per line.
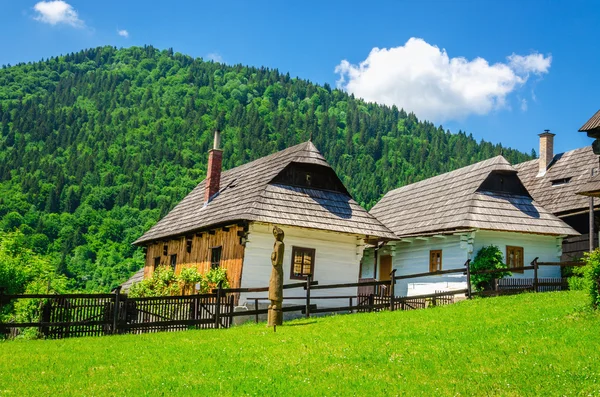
[547, 248]
[337, 260]
[413, 257]
[368, 264]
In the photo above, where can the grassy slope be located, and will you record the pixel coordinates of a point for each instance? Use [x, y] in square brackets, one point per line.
[545, 344]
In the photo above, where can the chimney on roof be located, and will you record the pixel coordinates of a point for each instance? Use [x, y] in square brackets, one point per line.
[213, 174]
[546, 151]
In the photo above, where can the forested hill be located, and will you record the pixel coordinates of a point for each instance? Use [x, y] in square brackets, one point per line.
[96, 146]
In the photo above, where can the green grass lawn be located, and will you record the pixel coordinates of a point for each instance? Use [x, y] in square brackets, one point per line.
[526, 345]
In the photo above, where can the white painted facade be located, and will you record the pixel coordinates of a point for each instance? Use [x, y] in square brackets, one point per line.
[546, 248]
[337, 260]
[411, 256]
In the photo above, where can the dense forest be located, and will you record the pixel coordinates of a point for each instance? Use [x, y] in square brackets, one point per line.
[97, 145]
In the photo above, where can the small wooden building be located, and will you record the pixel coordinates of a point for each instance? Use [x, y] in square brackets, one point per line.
[443, 221]
[227, 221]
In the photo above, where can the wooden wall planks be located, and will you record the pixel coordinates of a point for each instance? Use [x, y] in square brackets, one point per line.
[232, 255]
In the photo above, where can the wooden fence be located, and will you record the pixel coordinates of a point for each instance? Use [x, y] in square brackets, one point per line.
[71, 315]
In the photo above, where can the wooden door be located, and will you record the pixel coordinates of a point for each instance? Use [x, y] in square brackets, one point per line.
[385, 267]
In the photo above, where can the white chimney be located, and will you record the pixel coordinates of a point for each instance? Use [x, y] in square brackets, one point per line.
[546, 151]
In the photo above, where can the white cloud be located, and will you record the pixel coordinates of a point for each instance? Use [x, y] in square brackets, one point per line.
[420, 77]
[57, 12]
[123, 33]
[213, 56]
[533, 63]
[524, 104]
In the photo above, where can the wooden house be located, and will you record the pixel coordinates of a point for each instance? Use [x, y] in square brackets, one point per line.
[443, 221]
[227, 221]
[554, 181]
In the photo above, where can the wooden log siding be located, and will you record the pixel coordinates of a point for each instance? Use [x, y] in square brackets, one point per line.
[232, 254]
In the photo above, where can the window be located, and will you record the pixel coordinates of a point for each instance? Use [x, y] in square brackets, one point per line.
[156, 262]
[514, 257]
[188, 245]
[173, 261]
[562, 181]
[165, 249]
[435, 260]
[303, 262]
[215, 257]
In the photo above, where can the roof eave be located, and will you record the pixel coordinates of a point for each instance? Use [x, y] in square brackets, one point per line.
[141, 242]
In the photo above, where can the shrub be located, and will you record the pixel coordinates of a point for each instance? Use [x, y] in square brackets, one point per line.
[214, 277]
[592, 276]
[164, 282]
[576, 278]
[487, 258]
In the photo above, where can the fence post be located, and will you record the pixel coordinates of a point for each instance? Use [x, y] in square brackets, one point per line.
[371, 302]
[218, 305]
[256, 309]
[308, 281]
[467, 264]
[117, 309]
[535, 274]
[392, 289]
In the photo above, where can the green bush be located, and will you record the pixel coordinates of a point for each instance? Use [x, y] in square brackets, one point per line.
[577, 283]
[592, 276]
[576, 278]
[164, 282]
[487, 258]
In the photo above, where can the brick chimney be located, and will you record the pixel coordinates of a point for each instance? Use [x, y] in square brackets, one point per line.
[213, 174]
[546, 151]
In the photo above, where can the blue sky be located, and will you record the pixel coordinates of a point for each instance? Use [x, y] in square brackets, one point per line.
[503, 71]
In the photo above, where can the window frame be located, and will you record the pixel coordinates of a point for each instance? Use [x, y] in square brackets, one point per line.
[302, 276]
[173, 261]
[510, 266]
[218, 249]
[431, 264]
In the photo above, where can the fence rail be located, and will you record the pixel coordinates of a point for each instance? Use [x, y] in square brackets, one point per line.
[69, 315]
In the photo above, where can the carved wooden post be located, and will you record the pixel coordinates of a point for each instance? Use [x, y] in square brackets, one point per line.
[275, 316]
[392, 289]
[467, 264]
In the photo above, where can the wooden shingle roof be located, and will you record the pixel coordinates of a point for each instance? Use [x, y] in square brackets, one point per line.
[592, 124]
[566, 175]
[248, 194]
[136, 278]
[591, 187]
[454, 201]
